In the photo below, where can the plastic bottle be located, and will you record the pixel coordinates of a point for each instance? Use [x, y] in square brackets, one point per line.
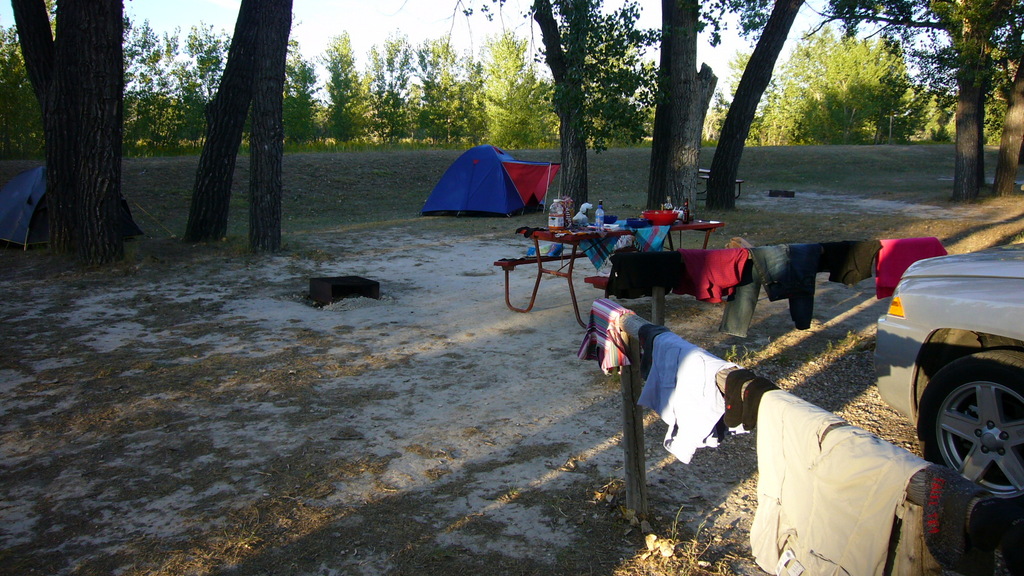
[599, 214]
[556, 216]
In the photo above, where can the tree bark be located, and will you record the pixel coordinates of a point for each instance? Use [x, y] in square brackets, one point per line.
[682, 105]
[39, 51]
[37, 46]
[1013, 135]
[968, 139]
[726, 162]
[78, 80]
[696, 93]
[659, 183]
[94, 53]
[266, 148]
[225, 118]
[573, 173]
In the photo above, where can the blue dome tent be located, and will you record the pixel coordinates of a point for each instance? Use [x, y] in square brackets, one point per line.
[23, 219]
[487, 180]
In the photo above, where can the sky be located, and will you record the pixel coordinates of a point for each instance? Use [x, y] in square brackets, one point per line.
[370, 22]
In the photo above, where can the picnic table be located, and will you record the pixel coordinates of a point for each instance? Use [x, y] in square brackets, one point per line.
[705, 174]
[563, 265]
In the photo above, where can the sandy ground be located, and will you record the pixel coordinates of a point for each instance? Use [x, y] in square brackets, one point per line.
[195, 413]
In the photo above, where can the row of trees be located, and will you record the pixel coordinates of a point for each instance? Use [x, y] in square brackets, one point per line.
[601, 89]
[833, 90]
[961, 46]
[428, 93]
[844, 90]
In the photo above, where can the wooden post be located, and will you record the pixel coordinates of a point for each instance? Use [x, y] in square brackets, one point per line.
[631, 384]
[658, 305]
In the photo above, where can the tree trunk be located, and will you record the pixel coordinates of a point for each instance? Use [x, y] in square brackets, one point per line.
[968, 137]
[94, 50]
[1013, 135]
[39, 51]
[686, 157]
[573, 173]
[682, 104]
[225, 120]
[659, 183]
[33, 23]
[78, 80]
[266, 148]
[726, 163]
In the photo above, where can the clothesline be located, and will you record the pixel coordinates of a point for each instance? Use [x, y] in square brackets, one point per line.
[736, 276]
[837, 507]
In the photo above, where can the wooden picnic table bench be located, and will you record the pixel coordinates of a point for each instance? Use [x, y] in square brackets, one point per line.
[546, 265]
[705, 174]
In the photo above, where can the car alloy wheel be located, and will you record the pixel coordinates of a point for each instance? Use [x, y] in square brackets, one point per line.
[972, 419]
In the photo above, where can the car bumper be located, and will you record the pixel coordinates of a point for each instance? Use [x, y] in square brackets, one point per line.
[897, 346]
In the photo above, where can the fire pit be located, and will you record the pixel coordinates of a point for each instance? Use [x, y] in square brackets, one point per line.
[334, 288]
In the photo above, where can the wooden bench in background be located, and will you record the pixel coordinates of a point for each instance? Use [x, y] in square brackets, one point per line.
[705, 174]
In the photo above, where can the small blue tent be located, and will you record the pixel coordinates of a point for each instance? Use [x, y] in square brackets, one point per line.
[23, 217]
[20, 221]
[487, 180]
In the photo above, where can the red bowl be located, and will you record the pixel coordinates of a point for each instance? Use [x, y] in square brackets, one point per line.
[661, 217]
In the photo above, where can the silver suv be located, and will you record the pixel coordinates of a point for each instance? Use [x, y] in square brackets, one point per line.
[950, 356]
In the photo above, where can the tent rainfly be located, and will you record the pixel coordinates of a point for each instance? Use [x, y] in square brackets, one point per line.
[487, 180]
[23, 218]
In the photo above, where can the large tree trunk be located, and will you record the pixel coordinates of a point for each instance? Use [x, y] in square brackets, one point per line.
[573, 173]
[696, 92]
[726, 163]
[61, 114]
[78, 80]
[225, 120]
[659, 183]
[98, 61]
[33, 23]
[1013, 135]
[267, 146]
[60, 129]
[683, 100]
[968, 139]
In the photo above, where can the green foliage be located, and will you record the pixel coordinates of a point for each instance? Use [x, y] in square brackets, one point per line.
[390, 78]
[449, 106]
[517, 100]
[198, 75]
[21, 129]
[153, 116]
[301, 109]
[840, 91]
[347, 92]
[608, 79]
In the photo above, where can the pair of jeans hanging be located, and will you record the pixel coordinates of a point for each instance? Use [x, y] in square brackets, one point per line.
[786, 271]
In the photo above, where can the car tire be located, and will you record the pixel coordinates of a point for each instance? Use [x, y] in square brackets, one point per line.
[971, 419]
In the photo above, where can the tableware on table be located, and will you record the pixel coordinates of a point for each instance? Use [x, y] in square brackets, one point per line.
[660, 217]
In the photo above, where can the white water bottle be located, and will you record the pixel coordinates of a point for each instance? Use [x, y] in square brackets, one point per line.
[599, 214]
[556, 216]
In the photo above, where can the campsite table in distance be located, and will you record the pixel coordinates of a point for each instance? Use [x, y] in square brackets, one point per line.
[566, 263]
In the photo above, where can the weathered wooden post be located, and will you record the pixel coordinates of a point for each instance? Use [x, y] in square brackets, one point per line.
[658, 305]
[631, 384]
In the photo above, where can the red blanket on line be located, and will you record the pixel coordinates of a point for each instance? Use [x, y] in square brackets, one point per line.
[897, 255]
